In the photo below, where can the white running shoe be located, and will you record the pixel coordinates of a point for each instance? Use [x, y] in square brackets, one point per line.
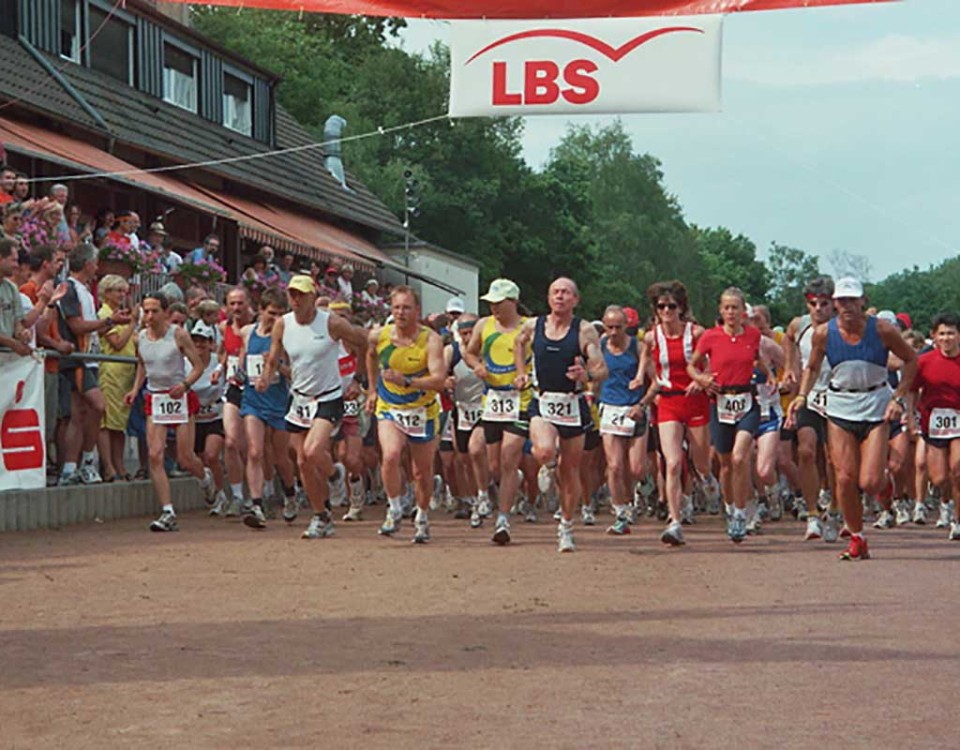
[920, 514]
[220, 504]
[234, 508]
[814, 529]
[954, 532]
[885, 520]
[754, 525]
[338, 485]
[208, 486]
[421, 532]
[565, 538]
[824, 500]
[686, 510]
[501, 533]
[831, 529]
[484, 508]
[436, 499]
[166, 522]
[255, 519]
[291, 507]
[673, 535]
[390, 524]
[946, 515]
[450, 502]
[318, 528]
[89, 474]
[355, 513]
[476, 520]
[711, 488]
[588, 516]
[547, 479]
[903, 513]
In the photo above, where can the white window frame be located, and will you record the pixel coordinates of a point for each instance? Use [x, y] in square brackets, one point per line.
[74, 55]
[194, 55]
[248, 82]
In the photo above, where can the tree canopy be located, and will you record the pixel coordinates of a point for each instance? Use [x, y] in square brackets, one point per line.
[598, 210]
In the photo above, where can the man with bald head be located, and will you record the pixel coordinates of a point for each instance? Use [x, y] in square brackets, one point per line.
[566, 359]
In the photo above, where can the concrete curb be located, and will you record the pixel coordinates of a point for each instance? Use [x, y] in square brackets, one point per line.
[54, 507]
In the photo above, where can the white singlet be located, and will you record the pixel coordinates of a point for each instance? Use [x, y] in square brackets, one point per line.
[162, 360]
[314, 357]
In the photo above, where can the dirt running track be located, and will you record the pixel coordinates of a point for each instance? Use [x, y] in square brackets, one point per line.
[220, 636]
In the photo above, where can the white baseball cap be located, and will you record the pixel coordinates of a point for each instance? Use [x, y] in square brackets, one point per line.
[455, 305]
[202, 330]
[848, 287]
[501, 289]
[888, 315]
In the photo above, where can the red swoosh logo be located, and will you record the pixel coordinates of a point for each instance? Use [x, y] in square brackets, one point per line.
[614, 53]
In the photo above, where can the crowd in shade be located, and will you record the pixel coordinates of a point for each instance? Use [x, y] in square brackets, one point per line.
[71, 283]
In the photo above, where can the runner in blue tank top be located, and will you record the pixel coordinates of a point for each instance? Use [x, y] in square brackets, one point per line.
[566, 358]
[623, 418]
[859, 406]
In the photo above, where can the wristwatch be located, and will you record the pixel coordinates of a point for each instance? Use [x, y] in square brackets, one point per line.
[407, 381]
[901, 402]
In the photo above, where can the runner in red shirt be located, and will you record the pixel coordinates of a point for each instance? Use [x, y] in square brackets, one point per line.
[683, 409]
[938, 381]
[733, 350]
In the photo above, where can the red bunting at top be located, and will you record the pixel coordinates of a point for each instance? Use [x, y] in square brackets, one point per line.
[524, 8]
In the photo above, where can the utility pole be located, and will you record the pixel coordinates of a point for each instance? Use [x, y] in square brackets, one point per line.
[411, 209]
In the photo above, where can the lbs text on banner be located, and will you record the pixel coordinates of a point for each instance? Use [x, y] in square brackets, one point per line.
[23, 459]
[590, 66]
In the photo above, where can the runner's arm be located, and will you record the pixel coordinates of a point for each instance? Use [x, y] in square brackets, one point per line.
[818, 350]
[185, 344]
[138, 379]
[272, 364]
[596, 367]
[520, 345]
[791, 352]
[894, 341]
[471, 354]
[436, 376]
[373, 369]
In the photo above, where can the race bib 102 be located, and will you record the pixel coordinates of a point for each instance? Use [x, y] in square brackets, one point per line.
[166, 410]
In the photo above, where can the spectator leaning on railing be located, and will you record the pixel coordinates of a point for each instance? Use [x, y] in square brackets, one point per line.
[13, 335]
[81, 326]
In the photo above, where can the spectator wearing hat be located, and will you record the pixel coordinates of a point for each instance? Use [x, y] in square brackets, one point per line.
[345, 283]
[157, 239]
[124, 232]
[370, 295]
[330, 286]
[904, 321]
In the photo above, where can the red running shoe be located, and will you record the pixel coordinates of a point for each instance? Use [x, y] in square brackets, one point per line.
[845, 533]
[858, 549]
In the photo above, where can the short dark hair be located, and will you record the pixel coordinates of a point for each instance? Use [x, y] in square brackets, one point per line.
[8, 247]
[273, 295]
[946, 318]
[820, 286]
[159, 297]
[209, 237]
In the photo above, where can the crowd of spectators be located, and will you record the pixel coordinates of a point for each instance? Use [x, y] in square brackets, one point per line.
[70, 283]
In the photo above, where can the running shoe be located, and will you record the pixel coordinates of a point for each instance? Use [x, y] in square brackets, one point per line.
[663, 512]
[547, 479]
[558, 514]
[686, 510]
[484, 508]
[620, 527]
[166, 522]
[530, 516]
[800, 509]
[946, 515]
[824, 499]
[89, 474]
[501, 532]
[355, 513]
[754, 525]
[421, 532]
[247, 508]
[857, 550]
[776, 506]
[565, 537]
[436, 499]
[673, 535]
[920, 514]
[954, 532]
[737, 527]
[338, 485]
[831, 529]
[711, 488]
[233, 509]
[588, 516]
[462, 512]
[208, 486]
[903, 513]
[70, 479]
[814, 529]
[449, 501]
[220, 504]
[885, 520]
[476, 520]
[318, 528]
[390, 524]
[302, 501]
[256, 518]
[291, 507]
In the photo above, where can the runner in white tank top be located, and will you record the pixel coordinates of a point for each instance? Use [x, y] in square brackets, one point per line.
[169, 403]
[316, 394]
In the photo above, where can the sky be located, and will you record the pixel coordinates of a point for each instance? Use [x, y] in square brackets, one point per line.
[839, 133]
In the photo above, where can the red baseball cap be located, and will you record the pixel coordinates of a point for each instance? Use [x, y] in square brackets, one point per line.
[331, 269]
[633, 318]
[905, 319]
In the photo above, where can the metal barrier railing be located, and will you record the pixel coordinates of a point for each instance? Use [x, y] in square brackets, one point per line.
[83, 356]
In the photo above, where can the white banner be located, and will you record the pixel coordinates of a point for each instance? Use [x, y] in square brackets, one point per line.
[590, 66]
[23, 450]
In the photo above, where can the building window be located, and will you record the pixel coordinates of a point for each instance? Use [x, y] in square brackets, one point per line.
[237, 104]
[111, 45]
[180, 77]
[70, 30]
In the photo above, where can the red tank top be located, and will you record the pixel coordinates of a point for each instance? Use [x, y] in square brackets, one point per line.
[671, 357]
[231, 341]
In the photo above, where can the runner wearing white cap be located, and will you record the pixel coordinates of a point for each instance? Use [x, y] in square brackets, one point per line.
[859, 407]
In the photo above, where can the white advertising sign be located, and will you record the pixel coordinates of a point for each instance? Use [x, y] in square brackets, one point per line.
[590, 66]
[23, 451]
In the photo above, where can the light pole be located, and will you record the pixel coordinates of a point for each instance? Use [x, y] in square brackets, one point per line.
[411, 203]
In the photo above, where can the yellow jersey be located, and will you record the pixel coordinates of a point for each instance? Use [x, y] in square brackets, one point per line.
[408, 360]
[497, 351]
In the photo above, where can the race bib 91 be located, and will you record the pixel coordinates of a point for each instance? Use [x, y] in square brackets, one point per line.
[301, 411]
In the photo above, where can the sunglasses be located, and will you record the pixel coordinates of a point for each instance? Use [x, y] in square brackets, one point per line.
[667, 305]
[612, 328]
